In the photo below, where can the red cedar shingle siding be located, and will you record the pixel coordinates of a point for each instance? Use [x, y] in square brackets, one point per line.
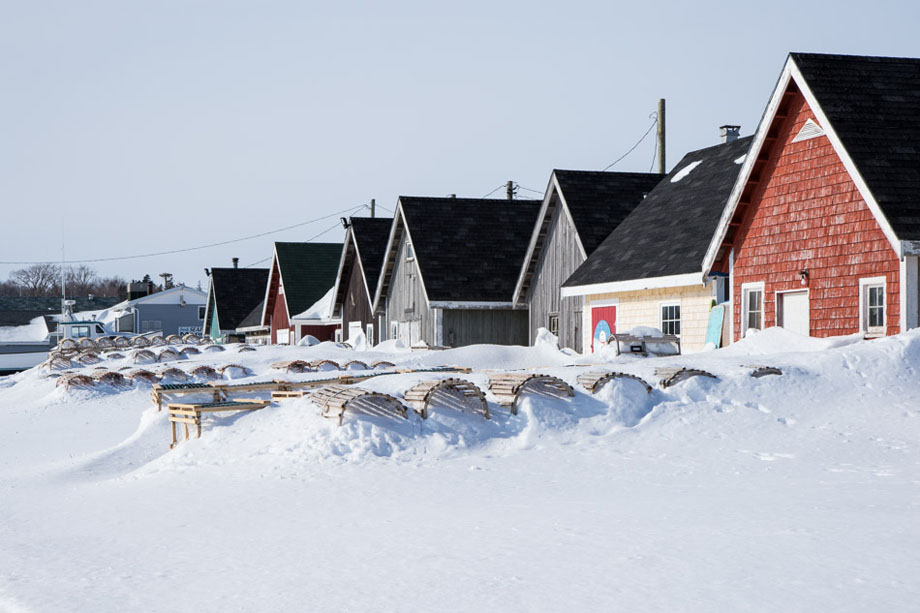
[807, 213]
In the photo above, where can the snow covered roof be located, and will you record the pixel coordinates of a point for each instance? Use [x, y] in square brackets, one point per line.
[319, 310]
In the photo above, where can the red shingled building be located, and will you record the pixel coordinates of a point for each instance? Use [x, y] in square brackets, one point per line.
[822, 231]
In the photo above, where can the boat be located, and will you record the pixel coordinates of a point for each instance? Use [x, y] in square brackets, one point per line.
[16, 356]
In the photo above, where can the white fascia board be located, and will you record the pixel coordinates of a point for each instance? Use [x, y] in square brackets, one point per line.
[397, 217]
[728, 212]
[534, 237]
[349, 234]
[791, 72]
[631, 285]
[207, 305]
[848, 163]
[317, 321]
[268, 286]
[458, 304]
[399, 220]
[367, 291]
[568, 215]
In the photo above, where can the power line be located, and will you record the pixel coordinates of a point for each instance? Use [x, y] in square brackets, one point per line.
[187, 249]
[495, 190]
[654, 117]
[315, 236]
[536, 191]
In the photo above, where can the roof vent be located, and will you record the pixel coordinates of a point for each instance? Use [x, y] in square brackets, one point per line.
[809, 130]
[729, 134]
[236, 262]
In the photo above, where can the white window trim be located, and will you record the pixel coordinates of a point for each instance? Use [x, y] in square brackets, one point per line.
[369, 334]
[410, 252]
[745, 288]
[666, 303]
[864, 284]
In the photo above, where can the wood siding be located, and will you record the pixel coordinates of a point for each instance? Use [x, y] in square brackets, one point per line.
[356, 306]
[279, 314]
[405, 301]
[806, 213]
[476, 326]
[557, 260]
[643, 308]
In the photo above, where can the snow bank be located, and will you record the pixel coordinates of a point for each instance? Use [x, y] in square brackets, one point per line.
[657, 489]
[35, 330]
[780, 340]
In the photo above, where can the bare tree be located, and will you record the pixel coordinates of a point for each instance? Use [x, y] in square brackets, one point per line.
[81, 280]
[37, 279]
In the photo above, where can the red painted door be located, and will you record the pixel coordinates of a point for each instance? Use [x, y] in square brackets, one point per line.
[603, 324]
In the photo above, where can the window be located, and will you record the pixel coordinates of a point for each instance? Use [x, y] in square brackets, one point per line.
[394, 330]
[201, 312]
[872, 305]
[670, 318]
[553, 324]
[751, 307]
[79, 331]
[410, 252]
[369, 333]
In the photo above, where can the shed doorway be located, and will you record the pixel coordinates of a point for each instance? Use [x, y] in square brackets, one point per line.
[792, 310]
[603, 325]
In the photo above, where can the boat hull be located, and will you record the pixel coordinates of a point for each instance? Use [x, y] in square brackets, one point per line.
[15, 357]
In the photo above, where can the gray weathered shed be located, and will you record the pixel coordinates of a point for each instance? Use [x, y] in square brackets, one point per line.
[449, 271]
[579, 210]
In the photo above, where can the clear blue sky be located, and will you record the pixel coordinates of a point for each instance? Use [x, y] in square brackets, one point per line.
[132, 127]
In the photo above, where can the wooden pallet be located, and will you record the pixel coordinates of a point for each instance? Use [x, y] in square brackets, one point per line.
[422, 394]
[335, 399]
[593, 381]
[510, 387]
[673, 376]
[285, 394]
[189, 414]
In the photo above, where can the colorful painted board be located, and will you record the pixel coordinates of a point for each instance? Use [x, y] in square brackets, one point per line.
[714, 329]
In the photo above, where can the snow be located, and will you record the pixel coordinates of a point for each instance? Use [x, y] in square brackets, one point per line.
[35, 330]
[320, 309]
[686, 170]
[792, 492]
[741, 159]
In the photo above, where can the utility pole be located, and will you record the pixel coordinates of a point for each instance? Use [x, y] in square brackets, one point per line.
[509, 190]
[373, 206]
[661, 160]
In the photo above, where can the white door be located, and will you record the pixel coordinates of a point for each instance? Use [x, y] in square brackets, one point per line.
[354, 329]
[794, 312]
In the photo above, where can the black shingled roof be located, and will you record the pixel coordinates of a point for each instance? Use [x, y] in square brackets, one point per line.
[371, 235]
[670, 231]
[308, 271]
[237, 291]
[254, 319]
[873, 104]
[469, 250]
[599, 201]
